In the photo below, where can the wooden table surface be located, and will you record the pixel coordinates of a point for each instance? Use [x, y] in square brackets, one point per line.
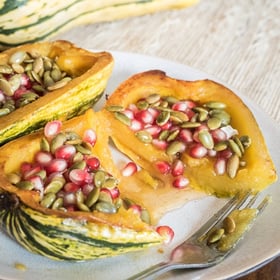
[236, 41]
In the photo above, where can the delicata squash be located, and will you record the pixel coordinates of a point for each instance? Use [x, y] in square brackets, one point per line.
[59, 194]
[188, 134]
[49, 80]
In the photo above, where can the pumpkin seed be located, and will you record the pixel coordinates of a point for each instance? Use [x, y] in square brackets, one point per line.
[142, 104]
[6, 69]
[57, 141]
[47, 79]
[59, 84]
[215, 236]
[110, 183]
[44, 145]
[78, 157]
[214, 123]
[171, 99]
[215, 105]
[58, 203]
[35, 77]
[222, 115]
[38, 64]
[234, 147]
[78, 164]
[220, 146]
[56, 74]
[104, 196]
[115, 108]
[190, 124]
[153, 98]
[172, 135]
[6, 87]
[163, 117]
[206, 139]
[48, 200]
[42, 174]
[229, 224]
[232, 165]
[122, 118]
[54, 186]
[80, 196]
[175, 147]
[25, 185]
[83, 207]
[145, 216]
[17, 68]
[246, 141]
[144, 136]
[13, 178]
[17, 57]
[92, 197]
[105, 207]
[163, 135]
[239, 144]
[178, 117]
[47, 63]
[99, 178]
[4, 111]
[83, 148]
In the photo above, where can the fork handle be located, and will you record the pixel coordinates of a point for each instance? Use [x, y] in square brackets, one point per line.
[154, 270]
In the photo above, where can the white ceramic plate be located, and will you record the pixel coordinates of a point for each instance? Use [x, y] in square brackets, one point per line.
[261, 243]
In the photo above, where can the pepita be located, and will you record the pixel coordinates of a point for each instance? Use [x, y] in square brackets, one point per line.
[229, 224]
[106, 207]
[163, 117]
[6, 87]
[214, 123]
[153, 98]
[122, 118]
[144, 136]
[206, 139]
[246, 141]
[99, 178]
[57, 141]
[215, 236]
[59, 84]
[6, 69]
[190, 124]
[175, 147]
[48, 200]
[232, 165]
[215, 105]
[234, 147]
[92, 197]
[115, 108]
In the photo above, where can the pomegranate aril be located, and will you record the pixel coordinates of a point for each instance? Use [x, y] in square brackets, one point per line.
[218, 135]
[160, 144]
[180, 106]
[69, 199]
[198, 151]
[227, 153]
[93, 163]
[115, 192]
[71, 187]
[154, 112]
[145, 116]
[43, 158]
[186, 135]
[180, 182]
[52, 128]
[136, 125]
[153, 130]
[37, 183]
[31, 172]
[128, 113]
[136, 209]
[163, 167]
[87, 188]
[90, 136]
[166, 126]
[166, 232]
[80, 177]
[177, 168]
[129, 169]
[25, 81]
[65, 152]
[56, 165]
[220, 166]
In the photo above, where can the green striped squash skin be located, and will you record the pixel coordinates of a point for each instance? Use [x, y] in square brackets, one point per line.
[66, 239]
[42, 19]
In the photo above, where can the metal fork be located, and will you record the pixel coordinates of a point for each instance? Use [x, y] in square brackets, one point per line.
[195, 252]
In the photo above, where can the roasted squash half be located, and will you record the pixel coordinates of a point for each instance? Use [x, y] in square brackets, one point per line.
[89, 72]
[250, 169]
[67, 235]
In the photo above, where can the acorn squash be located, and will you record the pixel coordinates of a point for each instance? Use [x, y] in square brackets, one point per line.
[39, 20]
[60, 234]
[89, 72]
[237, 161]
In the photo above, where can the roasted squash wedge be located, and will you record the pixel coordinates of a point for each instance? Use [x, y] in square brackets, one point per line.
[43, 19]
[89, 73]
[189, 134]
[62, 234]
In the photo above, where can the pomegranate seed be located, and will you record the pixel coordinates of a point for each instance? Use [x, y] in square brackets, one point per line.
[180, 106]
[70, 199]
[115, 192]
[25, 166]
[31, 172]
[71, 187]
[163, 167]
[227, 153]
[154, 130]
[52, 128]
[133, 108]
[177, 168]
[218, 135]
[93, 163]
[166, 126]
[145, 116]
[80, 177]
[19, 92]
[65, 152]
[87, 188]
[136, 125]
[190, 113]
[136, 209]
[220, 166]
[198, 151]
[56, 165]
[43, 158]
[128, 113]
[37, 182]
[166, 232]
[211, 153]
[90, 136]
[186, 135]
[180, 182]
[154, 112]
[25, 81]
[160, 144]
[129, 169]
[2, 96]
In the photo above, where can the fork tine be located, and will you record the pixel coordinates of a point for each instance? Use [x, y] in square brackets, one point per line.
[234, 203]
